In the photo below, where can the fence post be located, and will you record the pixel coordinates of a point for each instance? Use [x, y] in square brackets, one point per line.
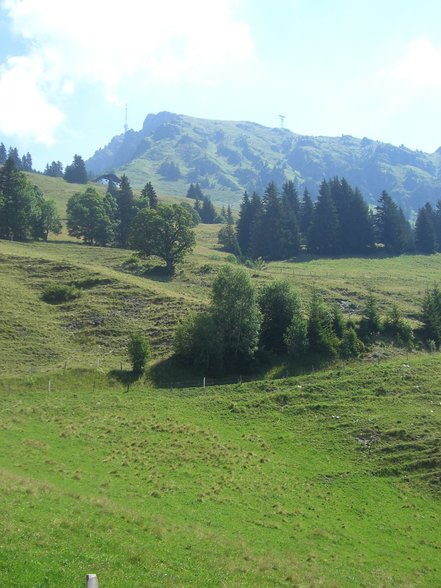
[204, 383]
[91, 581]
[49, 386]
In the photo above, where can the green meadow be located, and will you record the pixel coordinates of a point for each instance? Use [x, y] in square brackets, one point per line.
[330, 478]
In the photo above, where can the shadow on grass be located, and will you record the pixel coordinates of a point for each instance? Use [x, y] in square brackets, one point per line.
[173, 373]
[126, 377]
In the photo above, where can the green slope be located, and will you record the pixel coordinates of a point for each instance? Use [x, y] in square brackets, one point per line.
[327, 480]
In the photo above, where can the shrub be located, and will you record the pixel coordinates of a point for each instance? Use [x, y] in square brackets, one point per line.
[59, 293]
[197, 341]
[296, 336]
[278, 304]
[350, 345]
[139, 352]
[397, 328]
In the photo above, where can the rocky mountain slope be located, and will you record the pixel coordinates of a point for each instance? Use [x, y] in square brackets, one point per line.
[227, 158]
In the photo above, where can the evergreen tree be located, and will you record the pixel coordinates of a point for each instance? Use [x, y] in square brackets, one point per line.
[244, 224]
[271, 236]
[207, 211]
[18, 202]
[26, 162]
[255, 248]
[290, 236]
[290, 197]
[194, 191]
[149, 194]
[227, 235]
[370, 324]
[437, 224]
[431, 315]
[306, 215]
[425, 231]
[390, 225]
[76, 172]
[321, 336]
[126, 211]
[14, 156]
[3, 154]
[55, 169]
[323, 234]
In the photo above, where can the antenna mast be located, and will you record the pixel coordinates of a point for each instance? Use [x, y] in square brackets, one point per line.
[282, 120]
[126, 126]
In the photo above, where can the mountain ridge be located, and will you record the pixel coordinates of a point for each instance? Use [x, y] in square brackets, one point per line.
[228, 157]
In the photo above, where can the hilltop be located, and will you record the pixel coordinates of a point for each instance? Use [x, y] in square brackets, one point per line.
[226, 158]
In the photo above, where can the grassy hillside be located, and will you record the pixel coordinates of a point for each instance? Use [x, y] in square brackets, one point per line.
[326, 480]
[120, 295]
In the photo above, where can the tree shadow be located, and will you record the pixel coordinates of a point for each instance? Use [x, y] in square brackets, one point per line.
[126, 377]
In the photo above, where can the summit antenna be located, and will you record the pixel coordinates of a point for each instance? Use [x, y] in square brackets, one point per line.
[282, 121]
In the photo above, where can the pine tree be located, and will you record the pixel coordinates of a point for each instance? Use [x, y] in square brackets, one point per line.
[431, 315]
[244, 224]
[306, 215]
[3, 154]
[425, 232]
[272, 224]
[18, 201]
[290, 238]
[323, 235]
[126, 211]
[76, 172]
[390, 225]
[290, 197]
[227, 235]
[149, 194]
[255, 248]
[55, 169]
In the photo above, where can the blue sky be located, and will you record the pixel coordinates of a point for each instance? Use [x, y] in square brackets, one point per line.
[364, 68]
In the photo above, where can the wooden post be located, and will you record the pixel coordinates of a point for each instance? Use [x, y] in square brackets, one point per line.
[49, 386]
[91, 581]
[204, 383]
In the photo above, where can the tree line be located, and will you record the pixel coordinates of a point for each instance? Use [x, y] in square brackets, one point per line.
[23, 163]
[243, 324]
[119, 219]
[280, 225]
[24, 211]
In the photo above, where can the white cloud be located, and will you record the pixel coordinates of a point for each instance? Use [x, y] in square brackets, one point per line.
[116, 43]
[24, 109]
[419, 67]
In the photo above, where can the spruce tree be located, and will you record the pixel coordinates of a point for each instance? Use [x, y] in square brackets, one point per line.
[306, 215]
[18, 202]
[76, 172]
[125, 212]
[272, 224]
[390, 225]
[244, 224]
[255, 248]
[149, 194]
[323, 235]
[425, 232]
[3, 154]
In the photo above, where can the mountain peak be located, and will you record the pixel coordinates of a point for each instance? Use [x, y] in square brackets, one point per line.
[226, 158]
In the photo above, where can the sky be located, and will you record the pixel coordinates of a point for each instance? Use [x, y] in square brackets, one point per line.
[367, 68]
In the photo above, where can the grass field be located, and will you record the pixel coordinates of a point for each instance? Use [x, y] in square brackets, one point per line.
[327, 480]
[332, 478]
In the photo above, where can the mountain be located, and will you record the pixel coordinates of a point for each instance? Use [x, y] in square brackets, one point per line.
[226, 158]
